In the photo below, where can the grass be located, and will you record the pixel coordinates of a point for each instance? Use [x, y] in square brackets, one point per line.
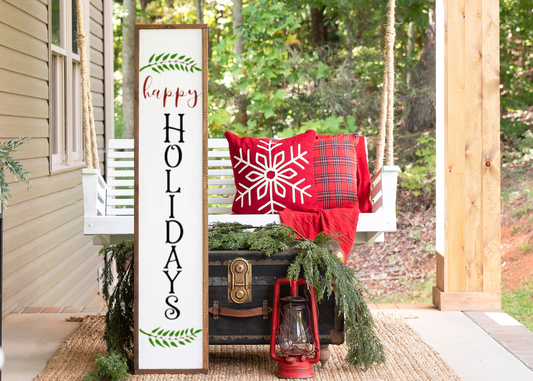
[415, 292]
[519, 304]
[525, 247]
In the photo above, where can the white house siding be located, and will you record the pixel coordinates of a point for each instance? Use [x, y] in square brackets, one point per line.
[47, 259]
[96, 55]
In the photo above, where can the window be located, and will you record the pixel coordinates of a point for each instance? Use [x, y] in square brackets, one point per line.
[66, 126]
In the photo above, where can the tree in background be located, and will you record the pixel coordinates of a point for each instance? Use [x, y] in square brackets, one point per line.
[516, 81]
[200, 11]
[278, 67]
[281, 67]
[128, 64]
[422, 111]
[238, 46]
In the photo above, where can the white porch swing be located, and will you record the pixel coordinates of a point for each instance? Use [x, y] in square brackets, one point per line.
[108, 207]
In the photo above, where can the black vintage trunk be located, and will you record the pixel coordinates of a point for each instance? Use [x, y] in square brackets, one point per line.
[256, 330]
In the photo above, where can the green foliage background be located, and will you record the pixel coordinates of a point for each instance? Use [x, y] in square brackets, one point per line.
[284, 83]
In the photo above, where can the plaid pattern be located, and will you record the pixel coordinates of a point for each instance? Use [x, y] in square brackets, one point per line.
[335, 165]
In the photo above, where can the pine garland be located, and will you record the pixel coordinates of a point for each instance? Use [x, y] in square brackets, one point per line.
[321, 269]
[119, 319]
[364, 346]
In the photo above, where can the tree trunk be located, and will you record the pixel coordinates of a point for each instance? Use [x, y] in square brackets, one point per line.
[200, 11]
[128, 75]
[422, 112]
[349, 26]
[319, 32]
[144, 3]
[241, 99]
[411, 35]
[238, 47]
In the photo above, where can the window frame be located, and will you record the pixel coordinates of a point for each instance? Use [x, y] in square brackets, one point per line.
[66, 125]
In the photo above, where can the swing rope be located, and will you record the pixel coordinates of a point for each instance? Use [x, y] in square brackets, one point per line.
[89, 131]
[386, 118]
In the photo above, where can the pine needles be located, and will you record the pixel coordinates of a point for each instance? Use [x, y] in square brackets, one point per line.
[321, 269]
[119, 319]
[230, 236]
[364, 346]
[7, 150]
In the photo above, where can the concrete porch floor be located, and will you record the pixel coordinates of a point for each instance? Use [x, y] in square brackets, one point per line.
[479, 346]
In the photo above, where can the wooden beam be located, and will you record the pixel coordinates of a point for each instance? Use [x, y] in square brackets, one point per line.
[454, 108]
[473, 147]
[491, 147]
[468, 258]
[467, 301]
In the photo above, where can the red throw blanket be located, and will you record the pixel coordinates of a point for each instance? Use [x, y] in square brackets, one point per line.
[363, 177]
[341, 220]
[310, 223]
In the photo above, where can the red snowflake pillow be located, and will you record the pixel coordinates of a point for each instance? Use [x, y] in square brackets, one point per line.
[271, 174]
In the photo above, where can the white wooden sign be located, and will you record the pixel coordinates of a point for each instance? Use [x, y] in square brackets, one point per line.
[170, 199]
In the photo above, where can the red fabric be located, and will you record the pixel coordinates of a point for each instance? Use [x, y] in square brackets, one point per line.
[271, 175]
[334, 161]
[337, 220]
[363, 177]
[335, 165]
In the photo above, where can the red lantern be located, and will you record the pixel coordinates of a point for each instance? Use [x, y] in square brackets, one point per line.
[296, 337]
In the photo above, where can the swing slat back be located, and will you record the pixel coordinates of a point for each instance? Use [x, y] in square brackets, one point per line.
[109, 205]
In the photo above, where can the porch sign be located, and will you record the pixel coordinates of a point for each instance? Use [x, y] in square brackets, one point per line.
[171, 199]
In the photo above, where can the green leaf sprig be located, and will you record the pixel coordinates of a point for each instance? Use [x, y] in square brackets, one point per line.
[167, 61]
[162, 337]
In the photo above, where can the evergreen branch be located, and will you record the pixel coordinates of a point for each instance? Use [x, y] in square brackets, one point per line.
[119, 318]
[236, 236]
[166, 62]
[7, 149]
[322, 270]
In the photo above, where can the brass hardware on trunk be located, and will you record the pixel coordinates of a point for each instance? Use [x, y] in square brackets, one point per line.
[240, 281]
[215, 310]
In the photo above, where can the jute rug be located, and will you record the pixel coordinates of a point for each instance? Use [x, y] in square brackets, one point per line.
[409, 358]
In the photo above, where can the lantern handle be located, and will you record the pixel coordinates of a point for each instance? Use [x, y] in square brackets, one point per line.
[294, 287]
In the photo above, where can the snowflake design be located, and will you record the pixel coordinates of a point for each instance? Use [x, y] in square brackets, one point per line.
[271, 175]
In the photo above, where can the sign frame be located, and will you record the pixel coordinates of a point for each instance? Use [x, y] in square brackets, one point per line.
[137, 217]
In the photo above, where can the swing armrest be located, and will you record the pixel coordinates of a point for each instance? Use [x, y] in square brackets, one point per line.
[94, 193]
[383, 190]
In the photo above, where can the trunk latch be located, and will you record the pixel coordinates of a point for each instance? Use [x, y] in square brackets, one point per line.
[240, 281]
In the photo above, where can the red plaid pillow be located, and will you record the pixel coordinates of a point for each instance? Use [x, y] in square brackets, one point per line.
[335, 165]
[271, 175]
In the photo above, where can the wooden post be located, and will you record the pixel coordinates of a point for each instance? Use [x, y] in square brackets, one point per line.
[468, 156]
